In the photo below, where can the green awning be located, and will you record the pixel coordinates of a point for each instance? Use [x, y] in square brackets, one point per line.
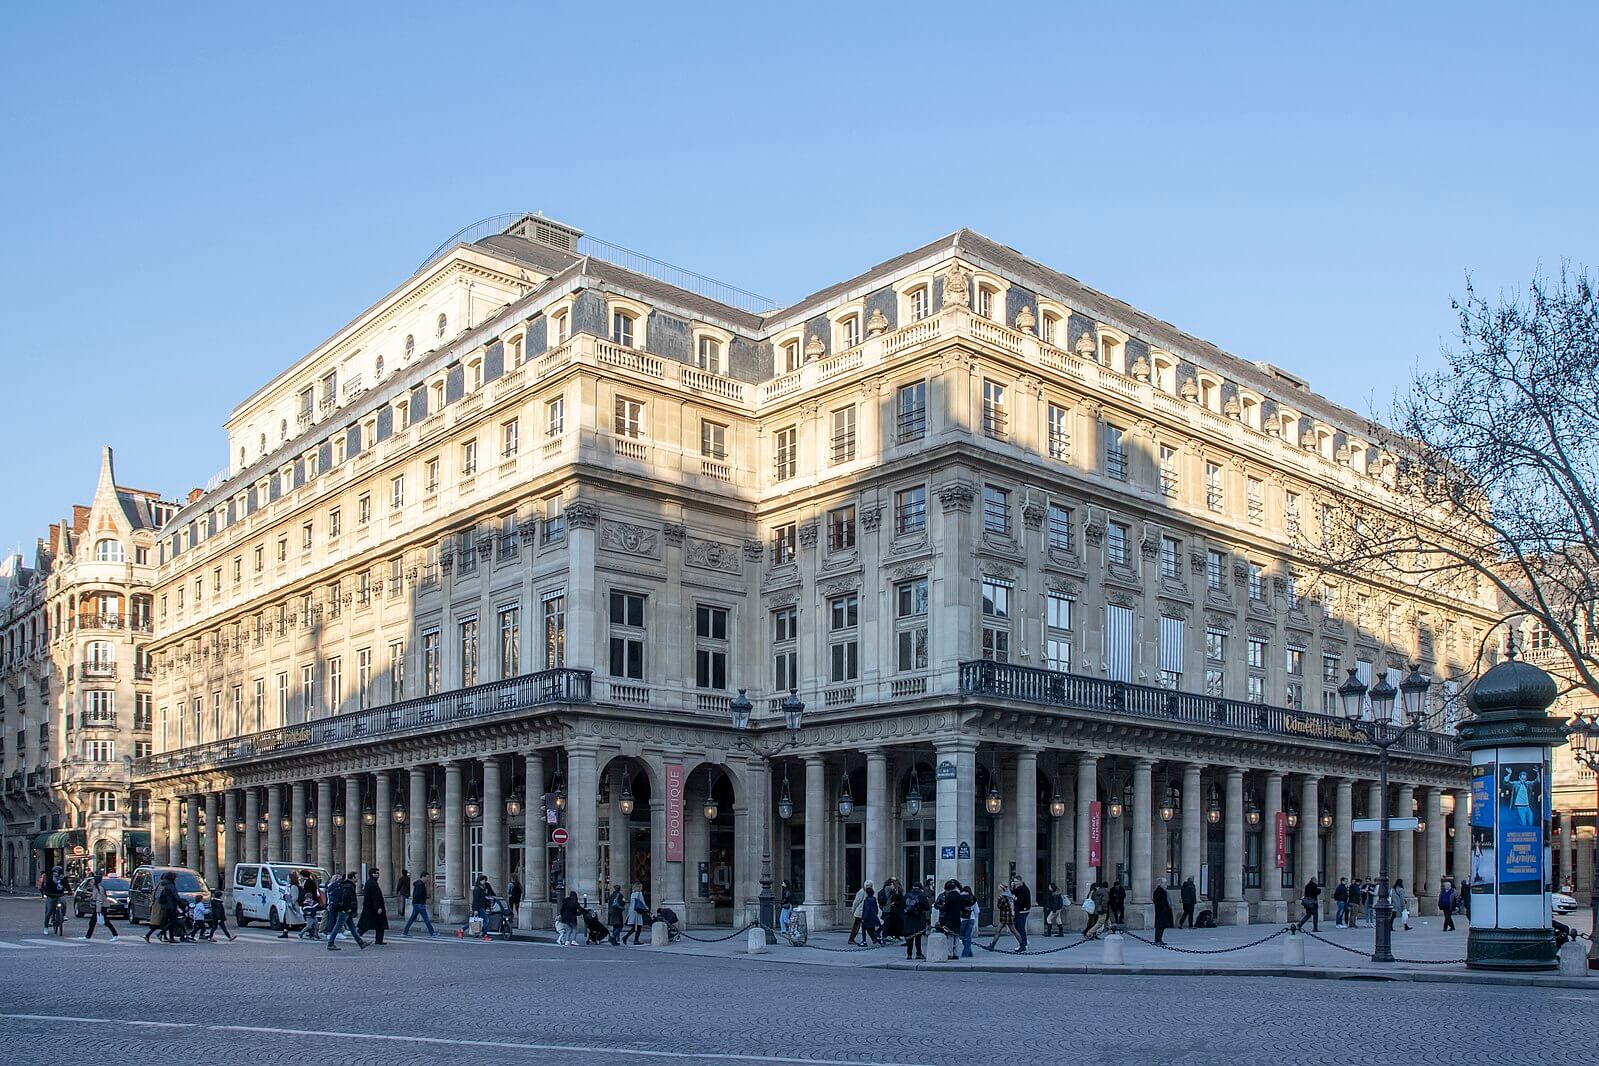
[136, 838]
[59, 839]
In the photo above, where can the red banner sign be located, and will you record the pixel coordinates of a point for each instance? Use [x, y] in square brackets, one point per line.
[1096, 824]
[674, 812]
[1282, 840]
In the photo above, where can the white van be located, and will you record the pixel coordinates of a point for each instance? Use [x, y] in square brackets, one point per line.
[261, 891]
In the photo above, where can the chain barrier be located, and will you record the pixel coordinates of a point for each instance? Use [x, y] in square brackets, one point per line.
[716, 939]
[1204, 951]
[1041, 951]
[1367, 955]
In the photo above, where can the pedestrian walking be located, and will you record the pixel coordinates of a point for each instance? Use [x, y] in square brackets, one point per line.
[566, 927]
[374, 910]
[1163, 912]
[1188, 895]
[513, 897]
[785, 907]
[1341, 899]
[1022, 896]
[1093, 909]
[871, 920]
[918, 908]
[1004, 916]
[402, 891]
[1400, 904]
[292, 891]
[419, 906]
[1311, 901]
[638, 914]
[969, 920]
[1054, 905]
[857, 908]
[100, 901]
[952, 904]
[1118, 902]
[1446, 904]
[341, 911]
[216, 917]
[1369, 901]
[616, 914]
[893, 911]
[314, 904]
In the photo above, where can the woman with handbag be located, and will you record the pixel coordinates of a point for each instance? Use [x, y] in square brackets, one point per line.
[638, 912]
[1004, 917]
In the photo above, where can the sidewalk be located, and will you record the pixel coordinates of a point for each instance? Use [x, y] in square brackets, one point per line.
[1431, 955]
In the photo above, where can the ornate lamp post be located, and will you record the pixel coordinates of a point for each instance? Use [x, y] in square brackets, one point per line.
[793, 713]
[1584, 737]
[1381, 734]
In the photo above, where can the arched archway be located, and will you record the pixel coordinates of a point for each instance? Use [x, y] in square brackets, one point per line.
[628, 791]
[713, 811]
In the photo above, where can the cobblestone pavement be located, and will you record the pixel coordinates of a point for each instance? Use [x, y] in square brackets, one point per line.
[469, 1003]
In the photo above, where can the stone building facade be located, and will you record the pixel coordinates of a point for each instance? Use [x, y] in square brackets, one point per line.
[77, 709]
[515, 537]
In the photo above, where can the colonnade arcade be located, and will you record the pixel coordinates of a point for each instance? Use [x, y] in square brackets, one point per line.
[974, 795]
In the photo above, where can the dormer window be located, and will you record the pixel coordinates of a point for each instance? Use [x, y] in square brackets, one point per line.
[560, 324]
[474, 375]
[436, 401]
[791, 357]
[622, 328]
[441, 324]
[1249, 411]
[921, 300]
[984, 305]
[516, 351]
[402, 415]
[108, 551]
[708, 354]
[1049, 328]
[849, 331]
[1110, 352]
[1164, 374]
[1209, 393]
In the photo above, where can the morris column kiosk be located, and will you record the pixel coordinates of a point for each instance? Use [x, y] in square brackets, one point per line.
[1510, 739]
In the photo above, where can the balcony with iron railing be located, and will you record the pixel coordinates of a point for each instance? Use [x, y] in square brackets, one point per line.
[97, 668]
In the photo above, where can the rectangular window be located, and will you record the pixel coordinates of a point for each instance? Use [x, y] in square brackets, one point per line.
[627, 634]
[260, 558]
[1168, 471]
[363, 509]
[1257, 654]
[843, 621]
[785, 453]
[910, 624]
[1331, 674]
[713, 440]
[843, 612]
[554, 520]
[1213, 492]
[910, 510]
[469, 652]
[510, 438]
[1118, 642]
[397, 493]
[910, 412]
[238, 710]
[397, 671]
[469, 458]
[1255, 496]
[710, 647]
[1118, 535]
[307, 692]
[996, 619]
[1060, 528]
[258, 705]
[509, 536]
[994, 415]
[1058, 609]
[921, 303]
[555, 416]
[1291, 513]
[1295, 661]
[431, 662]
[1215, 681]
[783, 544]
[510, 640]
[708, 355]
[335, 684]
[554, 629]
[843, 442]
[785, 656]
[1294, 696]
[1215, 571]
[1115, 454]
[1060, 442]
[430, 478]
[1216, 645]
[363, 678]
[1256, 689]
[1171, 558]
[283, 697]
[996, 510]
[1257, 582]
[629, 418]
[841, 528]
[1170, 674]
[305, 544]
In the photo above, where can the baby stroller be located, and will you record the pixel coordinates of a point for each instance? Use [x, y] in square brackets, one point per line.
[497, 920]
[594, 927]
[674, 931]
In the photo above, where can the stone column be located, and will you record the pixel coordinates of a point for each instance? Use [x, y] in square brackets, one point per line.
[298, 852]
[815, 838]
[1374, 840]
[956, 813]
[1234, 910]
[536, 876]
[1272, 906]
[582, 815]
[1087, 792]
[879, 808]
[1309, 834]
[352, 825]
[493, 824]
[1026, 820]
[324, 827]
[174, 832]
[1435, 847]
[454, 842]
[1405, 842]
[253, 837]
[1460, 866]
[1159, 849]
[234, 850]
[1193, 824]
[272, 848]
[1140, 909]
[213, 838]
[191, 843]
[617, 872]
[1343, 830]
[384, 845]
[417, 859]
[696, 849]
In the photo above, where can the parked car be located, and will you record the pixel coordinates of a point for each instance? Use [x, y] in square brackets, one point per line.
[261, 890]
[142, 885]
[116, 890]
[1562, 903]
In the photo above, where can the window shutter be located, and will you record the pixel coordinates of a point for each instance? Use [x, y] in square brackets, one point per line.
[1171, 645]
[1118, 642]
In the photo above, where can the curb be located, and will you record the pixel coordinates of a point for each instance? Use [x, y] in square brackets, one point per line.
[1308, 973]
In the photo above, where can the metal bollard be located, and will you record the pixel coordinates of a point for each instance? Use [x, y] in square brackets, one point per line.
[757, 941]
[1115, 950]
[1293, 948]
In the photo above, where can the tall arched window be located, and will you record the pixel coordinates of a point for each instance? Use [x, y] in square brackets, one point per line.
[100, 655]
[108, 551]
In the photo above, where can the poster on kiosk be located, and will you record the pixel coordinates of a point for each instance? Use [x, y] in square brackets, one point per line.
[1509, 838]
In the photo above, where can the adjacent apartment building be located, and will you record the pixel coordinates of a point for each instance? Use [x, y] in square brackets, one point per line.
[506, 548]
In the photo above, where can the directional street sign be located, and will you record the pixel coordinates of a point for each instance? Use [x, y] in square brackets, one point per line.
[1372, 825]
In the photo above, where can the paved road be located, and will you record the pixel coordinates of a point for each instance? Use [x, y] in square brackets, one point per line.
[470, 1003]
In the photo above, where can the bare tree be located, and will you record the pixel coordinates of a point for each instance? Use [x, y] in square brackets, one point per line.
[1494, 457]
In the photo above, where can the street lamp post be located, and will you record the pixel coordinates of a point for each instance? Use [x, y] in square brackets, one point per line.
[1380, 733]
[793, 712]
[1585, 748]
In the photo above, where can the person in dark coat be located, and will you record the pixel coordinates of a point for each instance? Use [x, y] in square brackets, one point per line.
[1311, 901]
[918, 908]
[894, 911]
[402, 890]
[1190, 898]
[374, 909]
[1118, 902]
[872, 920]
[952, 905]
[569, 920]
[616, 914]
[1163, 912]
[513, 896]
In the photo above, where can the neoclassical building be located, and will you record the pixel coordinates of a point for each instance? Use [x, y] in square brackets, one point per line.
[75, 704]
[516, 536]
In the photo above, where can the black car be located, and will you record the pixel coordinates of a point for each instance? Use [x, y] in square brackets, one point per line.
[116, 890]
[141, 890]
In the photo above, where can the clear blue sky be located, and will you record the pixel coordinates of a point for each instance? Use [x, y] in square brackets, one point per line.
[194, 198]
